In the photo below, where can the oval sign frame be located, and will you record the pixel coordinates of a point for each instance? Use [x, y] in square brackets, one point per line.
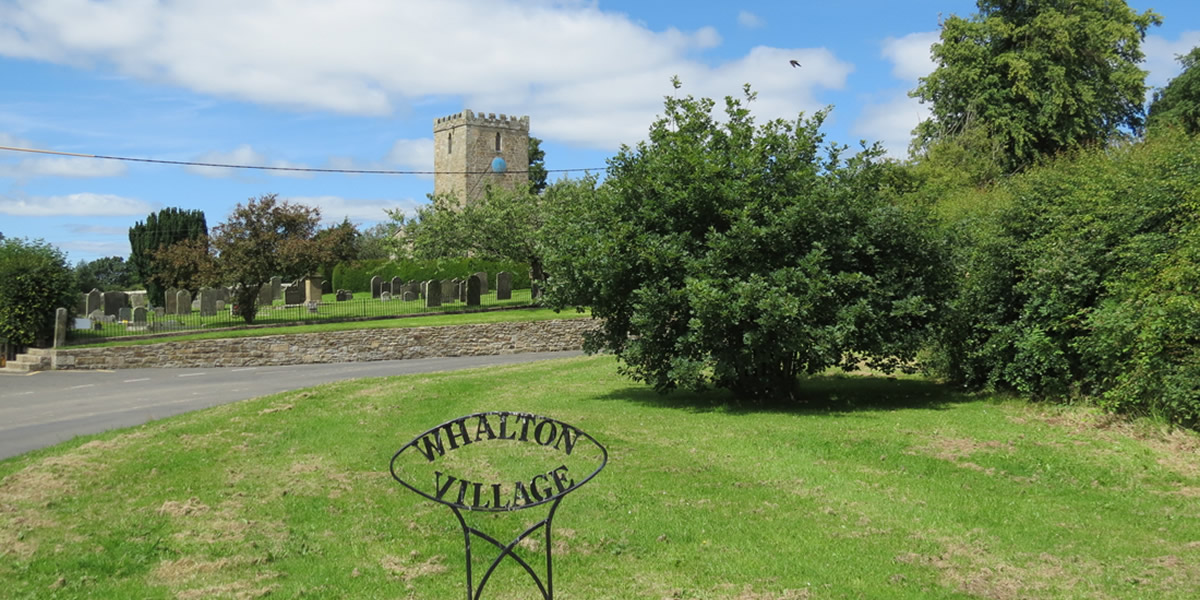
[504, 415]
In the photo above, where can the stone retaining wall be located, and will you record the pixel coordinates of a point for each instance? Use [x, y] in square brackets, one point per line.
[338, 346]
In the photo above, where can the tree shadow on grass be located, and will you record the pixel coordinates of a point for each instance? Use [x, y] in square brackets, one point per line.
[819, 395]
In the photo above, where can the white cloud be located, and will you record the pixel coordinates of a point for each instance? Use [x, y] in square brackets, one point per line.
[28, 165]
[1160, 56]
[76, 205]
[98, 229]
[93, 248]
[416, 155]
[596, 78]
[749, 20]
[334, 208]
[910, 54]
[244, 155]
[891, 122]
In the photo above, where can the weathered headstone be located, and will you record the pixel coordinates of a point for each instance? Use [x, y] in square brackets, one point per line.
[312, 291]
[276, 288]
[408, 296]
[293, 295]
[376, 286]
[113, 302]
[483, 281]
[344, 295]
[397, 286]
[449, 291]
[219, 305]
[208, 302]
[183, 302]
[266, 296]
[137, 299]
[415, 288]
[433, 293]
[326, 286]
[96, 315]
[504, 285]
[139, 314]
[385, 296]
[473, 286]
[124, 314]
[385, 286]
[160, 311]
[60, 327]
[95, 301]
[170, 296]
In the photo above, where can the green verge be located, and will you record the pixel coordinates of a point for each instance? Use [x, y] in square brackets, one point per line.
[879, 488]
[466, 318]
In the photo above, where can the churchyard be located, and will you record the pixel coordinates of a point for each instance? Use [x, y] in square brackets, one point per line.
[877, 487]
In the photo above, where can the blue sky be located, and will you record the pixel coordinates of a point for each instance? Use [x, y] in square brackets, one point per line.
[357, 84]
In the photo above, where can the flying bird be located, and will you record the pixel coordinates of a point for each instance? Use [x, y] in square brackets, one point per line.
[794, 63]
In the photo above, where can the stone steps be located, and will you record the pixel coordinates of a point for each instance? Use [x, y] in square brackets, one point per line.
[33, 359]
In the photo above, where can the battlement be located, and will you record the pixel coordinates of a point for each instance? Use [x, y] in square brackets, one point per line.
[468, 117]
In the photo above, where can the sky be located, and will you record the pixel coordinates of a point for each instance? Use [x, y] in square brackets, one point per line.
[357, 84]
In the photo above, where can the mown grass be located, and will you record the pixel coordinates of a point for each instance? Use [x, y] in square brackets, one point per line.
[879, 488]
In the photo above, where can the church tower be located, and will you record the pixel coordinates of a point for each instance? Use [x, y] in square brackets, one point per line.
[473, 151]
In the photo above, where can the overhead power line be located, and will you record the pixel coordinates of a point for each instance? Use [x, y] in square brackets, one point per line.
[189, 163]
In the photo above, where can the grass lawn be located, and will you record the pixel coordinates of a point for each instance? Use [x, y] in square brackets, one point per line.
[881, 488]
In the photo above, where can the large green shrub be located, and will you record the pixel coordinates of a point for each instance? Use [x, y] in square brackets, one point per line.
[34, 281]
[356, 276]
[1083, 283]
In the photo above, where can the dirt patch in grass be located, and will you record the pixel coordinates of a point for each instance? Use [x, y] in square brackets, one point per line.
[189, 507]
[1176, 448]
[411, 567]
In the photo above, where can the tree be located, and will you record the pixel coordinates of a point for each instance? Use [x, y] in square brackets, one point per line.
[537, 166]
[341, 243]
[1178, 104]
[104, 274]
[263, 238]
[1032, 79]
[160, 230]
[735, 255]
[377, 241]
[188, 264]
[34, 281]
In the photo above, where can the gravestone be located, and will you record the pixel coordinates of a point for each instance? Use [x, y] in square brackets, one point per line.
[504, 285]
[124, 314]
[376, 286]
[183, 302]
[160, 311]
[219, 305]
[385, 296]
[433, 293]
[312, 292]
[449, 291]
[397, 286]
[113, 302]
[326, 286]
[139, 314]
[96, 315]
[473, 286]
[408, 296]
[293, 295]
[60, 327]
[208, 302]
[414, 287]
[95, 301]
[266, 296]
[170, 297]
[276, 288]
[483, 281]
[385, 286]
[137, 299]
[344, 295]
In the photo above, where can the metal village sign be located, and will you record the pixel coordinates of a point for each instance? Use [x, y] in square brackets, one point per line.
[458, 463]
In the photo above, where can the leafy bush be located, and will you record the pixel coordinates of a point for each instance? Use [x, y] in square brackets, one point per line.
[1084, 282]
[356, 276]
[34, 281]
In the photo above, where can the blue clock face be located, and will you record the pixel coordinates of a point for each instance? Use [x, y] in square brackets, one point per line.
[498, 165]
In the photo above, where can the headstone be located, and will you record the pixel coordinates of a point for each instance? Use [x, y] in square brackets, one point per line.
[385, 296]
[376, 286]
[183, 302]
[113, 302]
[408, 296]
[137, 299]
[266, 296]
[414, 287]
[397, 286]
[160, 311]
[139, 314]
[60, 327]
[276, 288]
[170, 296]
[385, 286]
[504, 285]
[483, 281]
[95, 301]
[449, 291]
[312, 292]
[219, 305]
[124, 314]
[344, 295]
[293, 295]
[473, 286]
[96, 315]
[433, 293]
[326, 286]
[208, 302]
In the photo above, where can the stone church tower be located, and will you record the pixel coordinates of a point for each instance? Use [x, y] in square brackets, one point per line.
[472, 151]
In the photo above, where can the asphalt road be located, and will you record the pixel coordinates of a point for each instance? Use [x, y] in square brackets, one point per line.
[50, 407]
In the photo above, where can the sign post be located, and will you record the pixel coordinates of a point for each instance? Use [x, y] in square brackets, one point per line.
[455, 464]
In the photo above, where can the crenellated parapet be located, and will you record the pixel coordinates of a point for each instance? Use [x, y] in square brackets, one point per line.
[468, 117]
